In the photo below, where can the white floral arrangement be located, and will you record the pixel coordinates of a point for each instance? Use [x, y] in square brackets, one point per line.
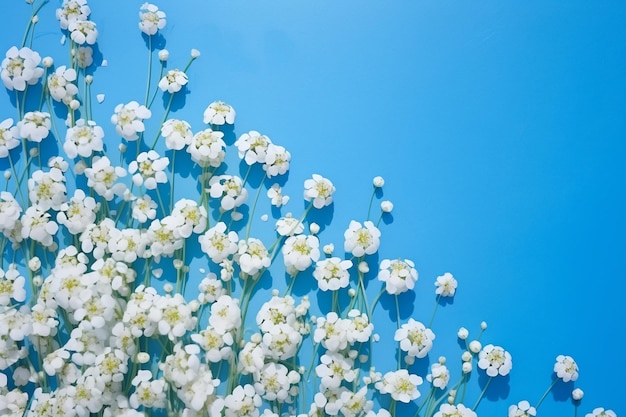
[89, 324]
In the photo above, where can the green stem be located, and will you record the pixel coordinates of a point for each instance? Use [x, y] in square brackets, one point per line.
[149, 70]
[545, 394]
[482, 393]
[432, 317]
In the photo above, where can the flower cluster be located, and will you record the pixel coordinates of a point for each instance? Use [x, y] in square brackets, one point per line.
[129, 286]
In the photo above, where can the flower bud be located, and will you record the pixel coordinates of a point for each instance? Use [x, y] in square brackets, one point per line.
[47, 62]
[386, 206]
[34, 19]
[168, 288]
[475, 346]
[328, 249]
[7, 175]
[34, 264]
[89, 79]
[164, 54]
[364, 267]
[467, 367]
[483, 325]
[351, 292]
[195, 53]
[143, 357]
[314, 228]
[74, 104]
[577, 394]
[378, 182]
[463, 333]
[466, 356]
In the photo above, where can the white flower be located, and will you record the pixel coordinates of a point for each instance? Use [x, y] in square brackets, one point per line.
[83, 32]
[128, 119]
[151, 19]
[522, 409]
[386, 206]
[299, 252]
[252, 256]
[288, 226]
[144, 208]
[276, 160]
[102, 178]
[225, 314]
[229, 189]
[149, 169]
[378, 181]
[399, 276]
[163, 240]
[192, 218]
[83, 139]
[451, 410]
[61, 84]
[565, 368]
[217, 345]
[8, 137]
[173, 81]
[79, 212]
[218, 244]
[334, 369]
[601, 412]
[439, 376]
[446, 285]
[10, 211]
[495, 361]
[243, 402]
[252, 147]
[19, 68]
[361, 239]
[332, 273]
[84, 58]
[332, 332]
[207, 148]
[35, 126]
[47, 189]
[274, 382]
[275, 193]
[148, 392]
[36, 224]
[177, 134]
[72, 10]
[219, 113]
[11, 286]
[401, 385]
[320, 190]
[415, 339]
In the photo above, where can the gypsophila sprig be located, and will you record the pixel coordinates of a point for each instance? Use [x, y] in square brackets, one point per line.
[133, 281]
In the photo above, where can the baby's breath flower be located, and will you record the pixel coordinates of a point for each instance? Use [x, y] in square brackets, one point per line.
[151, 19]
[320, 191]
[386, 206]
[522, 409]
[495, 361]
[399, 276]
[173, 81]
[566, 368]
[128, 119]
[20, 68]
[446, 285]
[219, 113]
[378, 182]
[577, 394]
[361, 239]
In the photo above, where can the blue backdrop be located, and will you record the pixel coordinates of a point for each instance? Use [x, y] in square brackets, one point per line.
[498, 126]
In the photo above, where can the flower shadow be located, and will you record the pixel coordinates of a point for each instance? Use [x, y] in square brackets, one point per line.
[499, 388]
[178, 101]
[406, 305]
[156, 43]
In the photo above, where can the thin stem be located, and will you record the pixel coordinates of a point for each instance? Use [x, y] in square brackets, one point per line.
[432, 317]
[256, 200]
[545, 394]
[167, 111]
[149, 70]
[480, 397]
[398, 326]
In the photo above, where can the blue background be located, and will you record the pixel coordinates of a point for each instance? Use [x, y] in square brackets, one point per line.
[498, 126]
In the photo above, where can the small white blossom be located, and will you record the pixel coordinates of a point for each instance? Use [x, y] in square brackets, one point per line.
[446, 285]
[173, 81]
[149, 169]
[452, 410]
[362, 239]
[252, 256]
[566, 368]
[128, 119]
[252, 147]
[218, 244]
[522, 409]
[495, 361]
[219, 113]
[319, 190]
[61, 84]
[401, 385]
[332, 273]
[177, 134]
[415, 339]
[601, 412]
[35, 126]
[20, 68]
[83, 32]
[229, 189]
[378, 182]
[299, 252]
[577, 394]
[102, 178]
[207, 148]
[398, 275]
[83, 139]
[72, 10]
[276, 160]
[8, 137]
[275, 193]
[151, 19]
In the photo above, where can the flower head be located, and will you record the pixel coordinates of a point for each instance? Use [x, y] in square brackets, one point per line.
[319, 190]
[522, 409]
[173, 81]
[361, 239]
[398, 275]
[219, 113]
[128, 119]
[446, 285]
[8, 137]
[401, 385]
[151, 19]
[20, 68]
[495, 360]
[565, 368]
[35, 126]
